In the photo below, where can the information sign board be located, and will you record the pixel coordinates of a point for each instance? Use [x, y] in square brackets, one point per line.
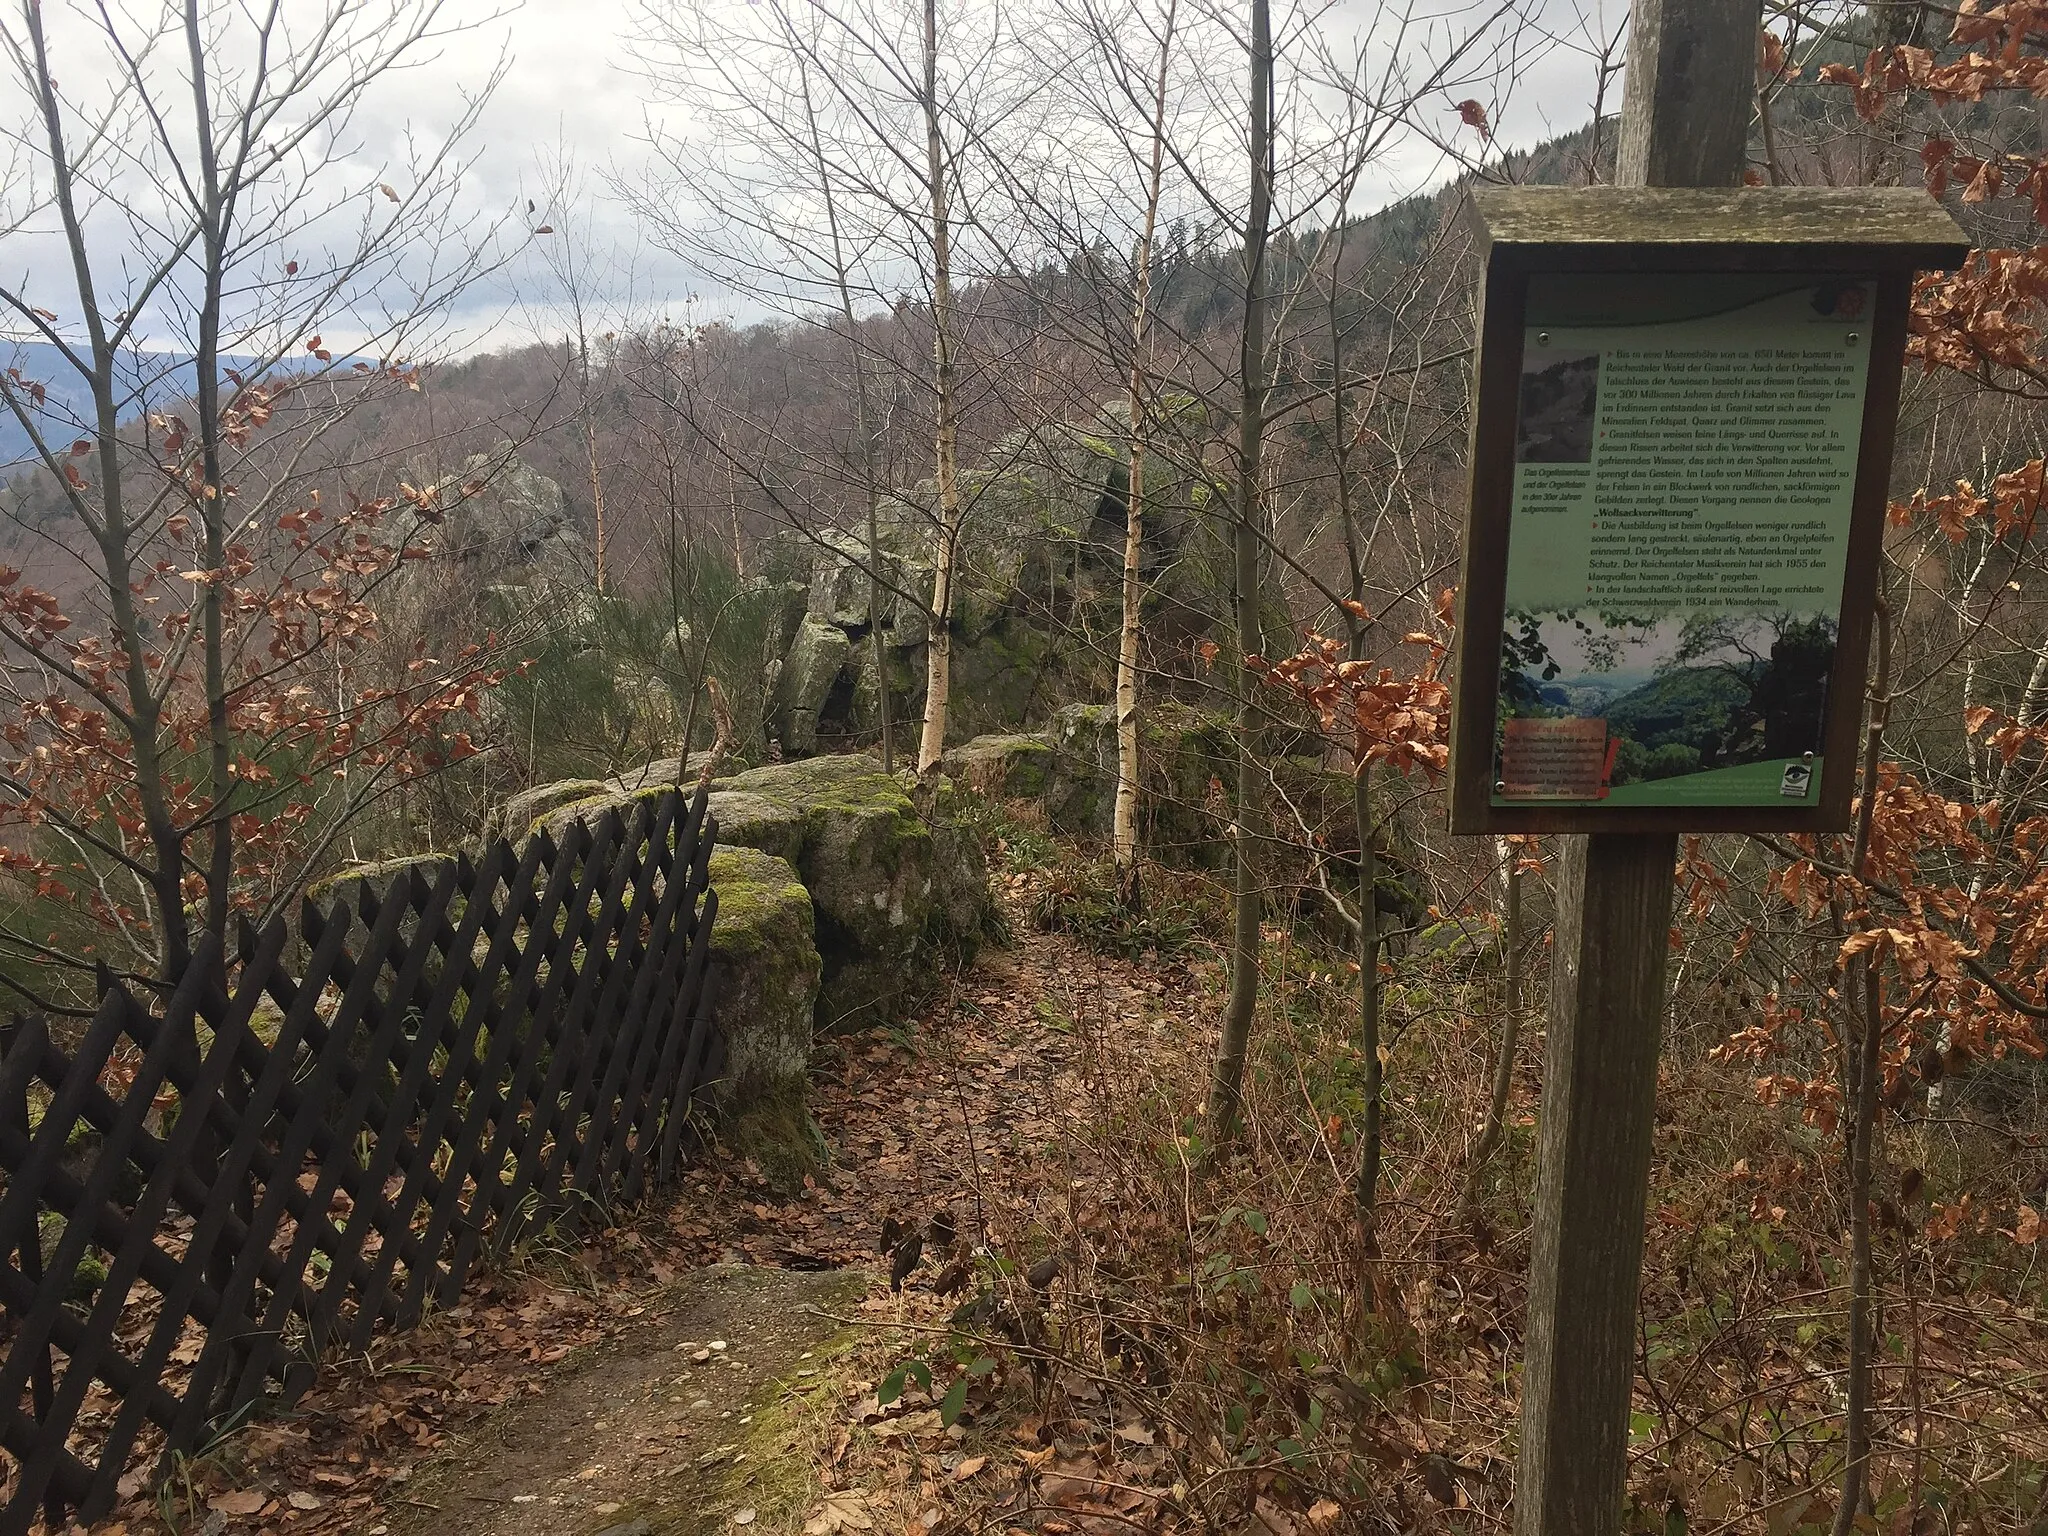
[1680, 447]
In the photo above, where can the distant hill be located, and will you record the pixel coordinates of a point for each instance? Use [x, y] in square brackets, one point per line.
[1689, 706]
[149, 380]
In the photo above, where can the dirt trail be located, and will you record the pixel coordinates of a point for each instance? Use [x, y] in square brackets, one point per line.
[608, 1421]
[672, 1428]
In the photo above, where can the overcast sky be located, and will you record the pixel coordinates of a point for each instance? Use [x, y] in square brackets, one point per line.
[569, 84]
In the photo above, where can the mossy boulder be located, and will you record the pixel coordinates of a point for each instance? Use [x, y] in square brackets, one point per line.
[1188, 760]
[906, 688]
[764, 950]
[893, 897]
[751, 820]
[349, 884]
[556, 823]
[893, 894]
[807, 685]
[1038, 584]
[1184, 752]
[521, 812]
[1006, 767]
[1080, 792]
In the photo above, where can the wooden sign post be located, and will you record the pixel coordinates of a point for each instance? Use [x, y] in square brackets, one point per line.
[1683, 419]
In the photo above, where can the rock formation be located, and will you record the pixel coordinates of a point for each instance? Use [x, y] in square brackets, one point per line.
[1037, 604]
[838, 902]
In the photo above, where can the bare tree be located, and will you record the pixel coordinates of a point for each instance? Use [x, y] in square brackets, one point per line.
[196, 197]
[828, 187]
[557, 212]
[1226, 1090]
[1123, 837]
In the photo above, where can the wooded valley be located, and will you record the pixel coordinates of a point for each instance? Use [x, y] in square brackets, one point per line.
[1037, 528]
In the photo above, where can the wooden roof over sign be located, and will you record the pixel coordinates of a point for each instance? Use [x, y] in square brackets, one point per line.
[1723, 227]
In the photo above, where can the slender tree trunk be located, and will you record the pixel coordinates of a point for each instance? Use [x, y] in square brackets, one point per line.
[1865, 1055]
[1510, 1033]
[143, 718]
[213, 509]
[939, 660]
[1365, 1196]
[1372, 1129]
[1226, 1091]
[1123, 830]
[1123, 834]
[884, 708]
[590, 448]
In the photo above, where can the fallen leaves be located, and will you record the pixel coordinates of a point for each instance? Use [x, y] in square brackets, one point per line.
[845, 1511]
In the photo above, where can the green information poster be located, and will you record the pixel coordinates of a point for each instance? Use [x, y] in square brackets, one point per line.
[1685, 456]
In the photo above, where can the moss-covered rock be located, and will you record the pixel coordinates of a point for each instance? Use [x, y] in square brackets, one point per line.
[1006, 767]
[88, 1274]
[1188, 758]
[1183, 754]
[1038, 584]
[891, 899]
[811, 674]
[777, 1133]
[905, 688]
[521, 812]
[750, 820]
[556, 823]
[764, 949]
[1080, 792]
[891, 895]
[348, 884]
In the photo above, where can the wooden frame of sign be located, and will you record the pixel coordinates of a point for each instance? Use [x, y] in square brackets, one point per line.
[1683, 410]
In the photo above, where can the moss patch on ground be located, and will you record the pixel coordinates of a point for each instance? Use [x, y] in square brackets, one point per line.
[716, 1403]
[779, 1135]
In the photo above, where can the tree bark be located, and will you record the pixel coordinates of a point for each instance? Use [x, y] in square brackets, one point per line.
[590, 449]
[1366, 1194]
[212, 507]
[939, 656]
[1226, 1089]
[1865, 1061]
[1510, 1034]
[1123, 833]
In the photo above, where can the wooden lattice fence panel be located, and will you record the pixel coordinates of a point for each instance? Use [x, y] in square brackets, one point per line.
[306, 1152]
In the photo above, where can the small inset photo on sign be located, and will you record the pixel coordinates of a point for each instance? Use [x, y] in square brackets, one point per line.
[1560, 396]
[1661, 708]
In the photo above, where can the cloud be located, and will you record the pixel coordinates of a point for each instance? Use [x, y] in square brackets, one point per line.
[562, 78]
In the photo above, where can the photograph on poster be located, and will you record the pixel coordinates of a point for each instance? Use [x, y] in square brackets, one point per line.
[1685, 460]
[1560, 393]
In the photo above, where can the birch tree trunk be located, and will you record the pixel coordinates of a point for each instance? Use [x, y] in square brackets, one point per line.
[590, 448]
[939, 656]
[1123, 832]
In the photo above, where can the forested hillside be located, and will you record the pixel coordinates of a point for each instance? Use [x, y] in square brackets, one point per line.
[1036, 539]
